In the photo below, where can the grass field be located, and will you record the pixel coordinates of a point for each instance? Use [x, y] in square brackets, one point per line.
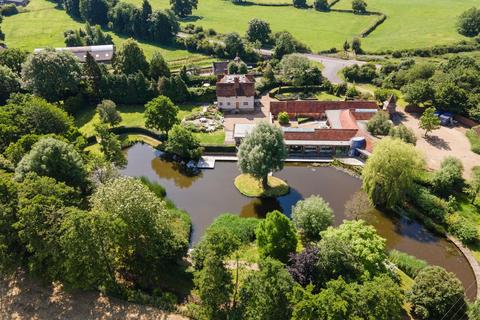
[43, 26]
[410, 24]
[413, 23]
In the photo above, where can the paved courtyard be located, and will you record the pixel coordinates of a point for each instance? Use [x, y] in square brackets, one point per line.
[446, 141]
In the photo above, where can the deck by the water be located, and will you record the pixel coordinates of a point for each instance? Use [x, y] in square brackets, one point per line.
[208, 162]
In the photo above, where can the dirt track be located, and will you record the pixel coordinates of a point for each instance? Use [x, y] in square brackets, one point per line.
[22, 298]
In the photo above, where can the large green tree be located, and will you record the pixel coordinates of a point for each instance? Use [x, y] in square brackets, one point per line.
[148, 238]
[161, 114]
[9, 83]
[130, 59]
[284, 44]
[54, 158]
[449, 177]
[158, 67]
[312, 216]
[52, 75]
[262, 152]
[437, 294]
[390, 171]
[183, 8]
[276, 236]
[468, 23]
[258, 30]
[365, 244]
[234, 45]
[13, 58]
[418, 92]
[264, 293]
[183, 143]
[110, 146]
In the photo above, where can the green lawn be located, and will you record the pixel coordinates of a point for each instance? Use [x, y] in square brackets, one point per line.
[132, 116]
[414, 23]
[43, 26]
[474, 139]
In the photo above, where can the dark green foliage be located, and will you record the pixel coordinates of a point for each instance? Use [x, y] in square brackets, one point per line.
[92, 77]
[258, 30]
[26, 114]
[54, 158]
[237, 67]
[365, 73]
[88, 36]
[437, 293]
[264, 294]
[468, 23]
[127, 89]
[356, 46]
[418, 92]
[234, 45]
[407, 263]
[359, 6]
[125, 19]
[8, 10]
[379, 124]
[430, 204]
[183, 143]
[321, 5]
[276, 236]
[161, 114]
[13, 58]
[72, 7]
[284, 44]
[217, 241]
[214, 286]
[110, 146]
[183, 8]
[163, 26]
[451, 97]
[300, 3]
[10, 248]
[158, 67]
[449, 177]
[15, 151]
[9, 83]
[40, 213]
[130, 59]
[380, 298]
[51, 74]
[94, 11]
[243, 228]
[403, 133]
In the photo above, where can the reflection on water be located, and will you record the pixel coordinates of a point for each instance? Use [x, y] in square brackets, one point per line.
[212, 193]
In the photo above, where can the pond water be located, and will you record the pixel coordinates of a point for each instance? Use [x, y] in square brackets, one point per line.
[212, 193]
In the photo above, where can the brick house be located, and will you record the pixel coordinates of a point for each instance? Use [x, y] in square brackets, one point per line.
[235, 92]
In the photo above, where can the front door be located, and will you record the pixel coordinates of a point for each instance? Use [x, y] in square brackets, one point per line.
[237, 105]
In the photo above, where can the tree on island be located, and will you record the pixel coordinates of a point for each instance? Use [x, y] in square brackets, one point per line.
[161, 114]
[390, 171]
[429, 121]
[262, 152]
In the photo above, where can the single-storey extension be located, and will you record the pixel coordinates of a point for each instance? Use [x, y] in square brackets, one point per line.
[102, 53]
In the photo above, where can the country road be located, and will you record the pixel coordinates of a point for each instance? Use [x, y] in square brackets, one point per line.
[331, 65]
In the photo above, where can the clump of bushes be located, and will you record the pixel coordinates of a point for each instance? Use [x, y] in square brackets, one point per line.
[365, 73]
[243, 228]
[403, 133]
[283, 118]
[465, 230]
[8, 10]
[407, 263]
[431, 205]
[379, 124]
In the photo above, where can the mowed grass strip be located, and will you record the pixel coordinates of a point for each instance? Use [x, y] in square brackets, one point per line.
[413, 23]
[43, 26]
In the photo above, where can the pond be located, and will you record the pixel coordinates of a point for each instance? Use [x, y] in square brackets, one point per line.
[212, 193]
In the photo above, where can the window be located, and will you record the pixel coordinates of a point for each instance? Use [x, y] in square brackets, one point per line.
[220, 104]
[228, 103]
[245, 103]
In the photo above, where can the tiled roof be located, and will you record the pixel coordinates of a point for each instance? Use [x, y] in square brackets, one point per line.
[235, 86]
